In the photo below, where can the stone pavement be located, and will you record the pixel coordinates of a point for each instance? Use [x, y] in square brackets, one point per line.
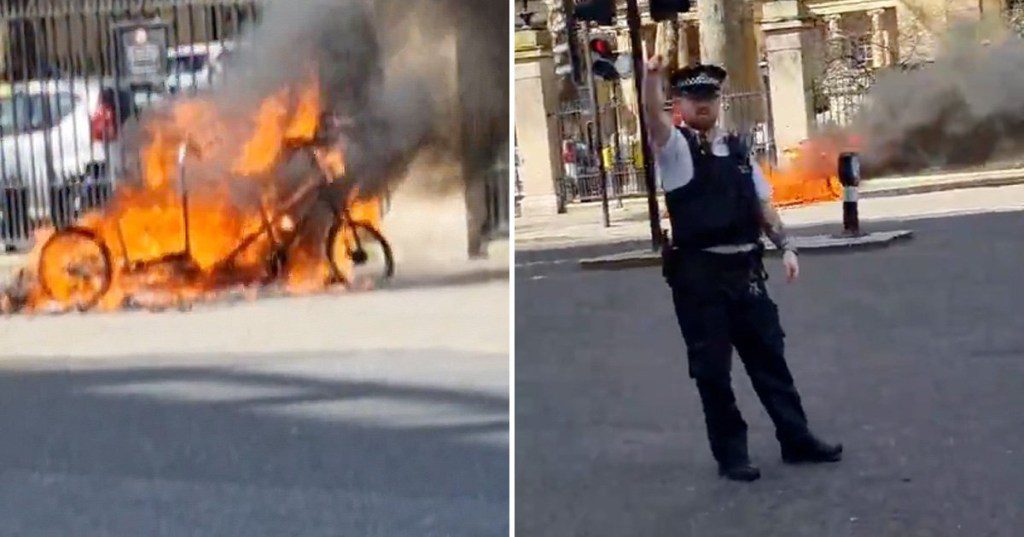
[581, 226]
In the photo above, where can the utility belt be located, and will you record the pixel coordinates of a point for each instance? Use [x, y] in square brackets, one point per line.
[693, 267]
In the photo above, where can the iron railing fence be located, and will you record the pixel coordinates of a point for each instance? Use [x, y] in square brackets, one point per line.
[66, 95]
[743, 113]
[840, 108]
[497, 191]
[843, 79]
[625, 180]
[518, 183]
[579, 179]
[747, 115]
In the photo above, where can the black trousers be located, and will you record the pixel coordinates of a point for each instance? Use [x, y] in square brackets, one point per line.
[721, 302]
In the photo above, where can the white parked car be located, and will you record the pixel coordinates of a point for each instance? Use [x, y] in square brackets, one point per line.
[54, 134]
[195, 67]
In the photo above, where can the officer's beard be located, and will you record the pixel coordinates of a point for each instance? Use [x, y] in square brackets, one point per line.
[701, 122]
[698, 115]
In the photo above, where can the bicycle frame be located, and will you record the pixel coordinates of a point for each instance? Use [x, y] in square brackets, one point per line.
[281, 238]
[313, 187]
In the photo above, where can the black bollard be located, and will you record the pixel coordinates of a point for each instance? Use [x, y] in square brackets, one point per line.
[849, 177]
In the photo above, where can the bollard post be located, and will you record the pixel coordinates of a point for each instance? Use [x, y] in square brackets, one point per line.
[849, 177]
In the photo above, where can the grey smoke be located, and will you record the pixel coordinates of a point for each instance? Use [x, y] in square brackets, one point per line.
[966, 109]
[383, 67]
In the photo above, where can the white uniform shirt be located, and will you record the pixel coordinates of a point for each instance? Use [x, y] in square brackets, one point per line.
[673, 163]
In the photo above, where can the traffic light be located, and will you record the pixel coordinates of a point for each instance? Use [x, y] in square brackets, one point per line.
[564, 35]
[600, 11]
[663, 10]
[604, 58]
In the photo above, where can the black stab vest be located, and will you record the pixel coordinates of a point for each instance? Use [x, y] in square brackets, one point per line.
[719, 206]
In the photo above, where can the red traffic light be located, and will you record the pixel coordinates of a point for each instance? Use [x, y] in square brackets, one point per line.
[602, 47]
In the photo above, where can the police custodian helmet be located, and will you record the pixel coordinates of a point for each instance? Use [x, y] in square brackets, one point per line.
[698, 81]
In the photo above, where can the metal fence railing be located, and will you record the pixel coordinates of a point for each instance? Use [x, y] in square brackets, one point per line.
[841, 108]
[518, 184]
[743, 113]
[625, 180]
[843, 80]
[580, 180]
[747, 115]
[70, 85]
[497, 190]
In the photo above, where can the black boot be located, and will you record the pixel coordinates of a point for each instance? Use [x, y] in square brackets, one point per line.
[811, 450]
[739, 472]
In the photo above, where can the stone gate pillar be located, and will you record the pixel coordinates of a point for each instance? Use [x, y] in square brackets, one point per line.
[536, 124]
[788, 40]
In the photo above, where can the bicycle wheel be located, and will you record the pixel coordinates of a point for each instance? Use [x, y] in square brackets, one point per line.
[74, 268]
[359, 255]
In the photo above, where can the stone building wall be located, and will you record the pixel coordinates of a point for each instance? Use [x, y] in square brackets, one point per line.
[872, 35]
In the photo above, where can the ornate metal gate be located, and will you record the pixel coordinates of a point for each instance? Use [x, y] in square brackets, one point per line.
[844, 77]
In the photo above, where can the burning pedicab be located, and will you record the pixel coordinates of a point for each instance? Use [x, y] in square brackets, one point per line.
[77, 265]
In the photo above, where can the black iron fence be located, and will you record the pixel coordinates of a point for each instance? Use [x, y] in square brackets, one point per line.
[624, 179]
[518, 183]
[619, 150]
[497, 191]
[74, 75]
[843, 80]
[747, 114]
[839, 108]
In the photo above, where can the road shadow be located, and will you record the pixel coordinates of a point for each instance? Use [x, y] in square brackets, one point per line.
[102, 449]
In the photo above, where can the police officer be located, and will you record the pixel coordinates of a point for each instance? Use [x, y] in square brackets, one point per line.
[719, 203]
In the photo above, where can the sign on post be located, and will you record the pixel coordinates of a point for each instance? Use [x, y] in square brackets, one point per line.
[141, 51]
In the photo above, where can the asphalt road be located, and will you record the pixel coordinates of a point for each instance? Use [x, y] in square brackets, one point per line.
[376, 414]
[912, 356]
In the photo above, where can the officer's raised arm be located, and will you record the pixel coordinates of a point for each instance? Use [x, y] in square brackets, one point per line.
[659, 123]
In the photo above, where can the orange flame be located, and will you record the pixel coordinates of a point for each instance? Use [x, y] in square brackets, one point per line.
[229, 197]
[809, 176]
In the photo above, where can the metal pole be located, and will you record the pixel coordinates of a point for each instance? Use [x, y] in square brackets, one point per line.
[769, 132]
[598, 146]
[58, 202]
[616, 100]
[182, 152]
[633, 19]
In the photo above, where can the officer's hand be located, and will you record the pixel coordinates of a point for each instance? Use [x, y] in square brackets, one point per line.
[792, 265]
[655, 64]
